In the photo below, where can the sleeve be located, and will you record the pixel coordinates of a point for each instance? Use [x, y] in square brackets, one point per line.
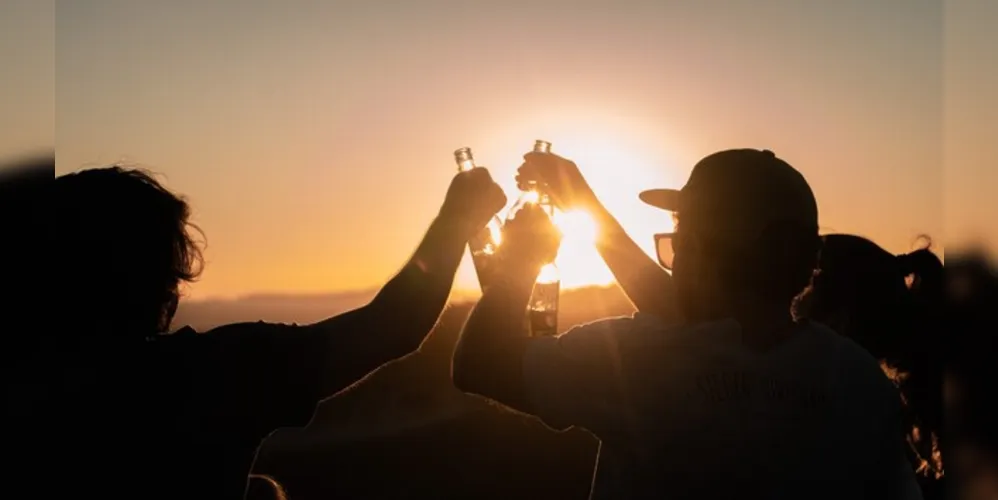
[270, 373]
[575, 379]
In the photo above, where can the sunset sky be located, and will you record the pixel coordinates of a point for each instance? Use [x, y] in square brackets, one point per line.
[314, 138]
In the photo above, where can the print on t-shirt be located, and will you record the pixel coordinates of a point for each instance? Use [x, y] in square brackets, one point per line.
[739, 387]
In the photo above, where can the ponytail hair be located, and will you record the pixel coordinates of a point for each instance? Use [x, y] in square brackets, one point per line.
[924, 270]
[922, 390]
[891, 305]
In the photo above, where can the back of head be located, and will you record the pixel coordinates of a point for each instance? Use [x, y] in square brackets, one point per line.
[123, 250]
[881, 300]
[747, 231]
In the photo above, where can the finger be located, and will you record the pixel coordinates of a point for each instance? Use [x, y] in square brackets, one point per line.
[533, 214]
[521, 218]
[541, 157]
[480, 174]
[498, 197]
[527, 168]
[525, 183]
[532, 172]
[535, 171]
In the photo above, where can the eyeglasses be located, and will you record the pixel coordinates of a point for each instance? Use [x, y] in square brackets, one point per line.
[665, 244]
[665, 249]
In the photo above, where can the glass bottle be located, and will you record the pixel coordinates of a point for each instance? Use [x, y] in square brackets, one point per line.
[542, 310]
[484, 243]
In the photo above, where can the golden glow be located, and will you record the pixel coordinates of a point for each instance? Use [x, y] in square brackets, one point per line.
[465, 165]
[616, 162]
[617, 166]
[548, 274]
[347, 166]
[579, 264]
[530, 197]
[577, 227]
[495, 229]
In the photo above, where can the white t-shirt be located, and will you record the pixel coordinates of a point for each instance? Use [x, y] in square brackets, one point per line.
[690, 412]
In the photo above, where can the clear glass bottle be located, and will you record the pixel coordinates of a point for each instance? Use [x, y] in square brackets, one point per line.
[482, 245]
[542, 311]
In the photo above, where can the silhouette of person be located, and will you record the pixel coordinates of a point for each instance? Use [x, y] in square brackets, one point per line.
[181, 415]
[720, 394]
[863, 292]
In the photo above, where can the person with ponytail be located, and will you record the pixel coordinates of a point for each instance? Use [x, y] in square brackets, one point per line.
[892, 306]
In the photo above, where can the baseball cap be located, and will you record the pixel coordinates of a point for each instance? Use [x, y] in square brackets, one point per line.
[734, 195]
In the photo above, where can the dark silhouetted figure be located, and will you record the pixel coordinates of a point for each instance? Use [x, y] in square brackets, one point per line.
[181, 415]
[716, 390]
[892, 305]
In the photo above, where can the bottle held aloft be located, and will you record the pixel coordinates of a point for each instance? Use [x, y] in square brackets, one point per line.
[465, 160]
[484, 243]
[542, 310]
[532, 191]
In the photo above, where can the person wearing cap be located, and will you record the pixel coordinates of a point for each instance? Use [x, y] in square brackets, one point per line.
[712, 389]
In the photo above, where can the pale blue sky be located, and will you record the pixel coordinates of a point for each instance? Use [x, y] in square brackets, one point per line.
[313, 138]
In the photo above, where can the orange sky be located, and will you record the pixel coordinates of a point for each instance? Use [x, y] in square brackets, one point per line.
[314, 139]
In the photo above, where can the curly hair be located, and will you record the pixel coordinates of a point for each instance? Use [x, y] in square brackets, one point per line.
[124, 246]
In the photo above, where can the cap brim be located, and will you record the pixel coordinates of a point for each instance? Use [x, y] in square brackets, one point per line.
[666, 199]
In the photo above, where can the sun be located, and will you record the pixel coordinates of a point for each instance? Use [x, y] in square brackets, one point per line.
[618, 155]
[579, 263]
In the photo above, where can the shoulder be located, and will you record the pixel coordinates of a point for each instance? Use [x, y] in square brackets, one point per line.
[859, 374]
[607, 329]
[255, 328]
[236, 339]
[851, 358]
[608, 333]
[612, 337]
[853, 363]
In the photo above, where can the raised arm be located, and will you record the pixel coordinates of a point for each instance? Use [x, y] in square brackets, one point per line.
[397, 320]
[569, 380]
[488, 358]
[646, 284]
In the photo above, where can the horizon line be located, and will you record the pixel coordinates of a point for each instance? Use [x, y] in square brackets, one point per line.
[460, 292]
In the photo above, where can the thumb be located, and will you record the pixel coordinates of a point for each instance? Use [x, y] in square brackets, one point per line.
[534, 156]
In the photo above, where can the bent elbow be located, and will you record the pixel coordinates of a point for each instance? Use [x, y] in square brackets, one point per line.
[410, 342]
